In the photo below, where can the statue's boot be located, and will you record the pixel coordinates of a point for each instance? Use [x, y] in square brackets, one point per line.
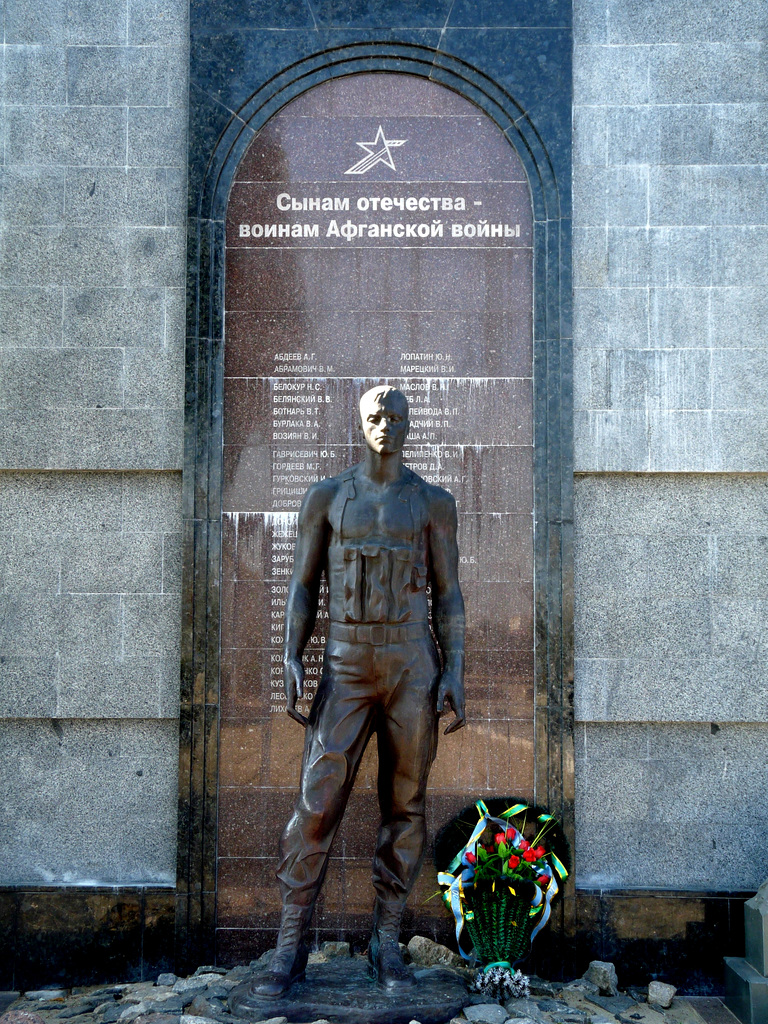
[384, 954]
[289, 961]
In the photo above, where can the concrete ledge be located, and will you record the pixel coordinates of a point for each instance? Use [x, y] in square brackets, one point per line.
[746, 991]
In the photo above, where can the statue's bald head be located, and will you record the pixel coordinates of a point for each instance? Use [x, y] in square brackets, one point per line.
[375, 396]
[384, 419]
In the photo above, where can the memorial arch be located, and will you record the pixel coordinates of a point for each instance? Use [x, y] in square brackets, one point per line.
[378, 226]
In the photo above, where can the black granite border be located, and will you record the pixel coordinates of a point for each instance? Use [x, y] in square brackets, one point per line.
[84, 935]
[219, 135]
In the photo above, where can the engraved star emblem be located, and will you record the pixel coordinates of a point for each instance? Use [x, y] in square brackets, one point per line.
[378, 153]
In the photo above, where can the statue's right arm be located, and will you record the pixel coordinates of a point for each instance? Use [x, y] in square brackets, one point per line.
[301, 606]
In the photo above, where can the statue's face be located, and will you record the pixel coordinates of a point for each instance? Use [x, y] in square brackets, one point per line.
[385, 421]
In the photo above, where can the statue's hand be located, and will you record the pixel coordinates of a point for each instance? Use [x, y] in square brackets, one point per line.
[451, 692]
[293, 684]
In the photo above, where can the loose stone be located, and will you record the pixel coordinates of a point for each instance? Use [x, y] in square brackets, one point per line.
[166, 979]
[486, 1013]
[661, 994]
[603, 974]
[427, 953]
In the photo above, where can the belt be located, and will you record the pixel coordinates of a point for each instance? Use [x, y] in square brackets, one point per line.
[377, 633]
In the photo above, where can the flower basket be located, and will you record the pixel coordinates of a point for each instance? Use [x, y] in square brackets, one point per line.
[499, 924]
[500, 865]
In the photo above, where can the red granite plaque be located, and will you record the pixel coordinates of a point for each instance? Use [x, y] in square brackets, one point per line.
[379, 229]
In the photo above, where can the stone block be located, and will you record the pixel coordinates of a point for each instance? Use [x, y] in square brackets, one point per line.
[175, 196]
[746, 991]
[34, 21]
[156, 256]
[176, 61]
[51, 503]
[28, 687]
[756, 931]
[610, 75]
[610, 318]
[112, 563]
[695, 72]
[151, 501]
[154, 379]
[147, 200]
[646, 854]
[72, 255]
[742, 441]
[97, 75]
[90, 625]
[31, 625]
[112, 688]
[661, 257]
[125, 317]
[35, 74]
[739, 195]
[157, 137]
[103, 24]
[738, 133]
[679, 318]
[624, 784]
[658, 379]
[633, 21]
[607, 441]
[738, 256]
[680, 195]
[699, 687]
[590, 136]
[66, 135]
[739, 379]
[610, 195]
[151, 625]
[91, 439]
[157, 21]
[680, 134]
[590, 258]
[657, 628]
[61, 378]
[29, 563]
[96, 195]
[30, 317]
[33, 195]
[670, 504]
[150, 70]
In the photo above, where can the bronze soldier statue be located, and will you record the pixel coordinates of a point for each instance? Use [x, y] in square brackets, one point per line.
[381, 534]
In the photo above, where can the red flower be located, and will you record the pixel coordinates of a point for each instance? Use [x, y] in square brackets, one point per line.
[530, 856]
[543, 881]
[513, 861]
[470, 858]
[510, 834]
[540, 851]
[499, 838]
[524, 844]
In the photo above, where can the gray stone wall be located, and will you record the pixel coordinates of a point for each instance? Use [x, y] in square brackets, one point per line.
[92, 248]
[671, 367]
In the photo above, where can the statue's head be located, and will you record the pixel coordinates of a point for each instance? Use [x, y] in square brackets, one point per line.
[384, 419]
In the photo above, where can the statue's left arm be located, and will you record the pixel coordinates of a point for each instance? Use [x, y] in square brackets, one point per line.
[447, 605]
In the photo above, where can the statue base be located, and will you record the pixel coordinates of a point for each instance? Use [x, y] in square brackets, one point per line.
[342, 992]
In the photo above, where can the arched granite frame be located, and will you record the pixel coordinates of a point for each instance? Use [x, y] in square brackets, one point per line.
[553, 461]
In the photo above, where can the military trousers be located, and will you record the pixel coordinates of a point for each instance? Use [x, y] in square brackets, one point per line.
[389, 689]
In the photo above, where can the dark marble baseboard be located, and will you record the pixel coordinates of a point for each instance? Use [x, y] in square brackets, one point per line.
[679, 937]
[81, 935]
